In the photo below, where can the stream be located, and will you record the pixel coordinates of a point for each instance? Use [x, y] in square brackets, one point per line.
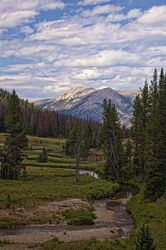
[112, 222]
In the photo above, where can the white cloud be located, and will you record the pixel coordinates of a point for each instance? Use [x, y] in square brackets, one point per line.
[154, 16]
[12, 19]
[96, 50]
[93, 2]
[100, 10]
[102, 59]
[26, 30]
[21, 12]
[132, 14]
[51, 4]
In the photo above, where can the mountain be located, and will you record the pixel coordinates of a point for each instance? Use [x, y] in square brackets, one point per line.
[87, 103]
[66, 101]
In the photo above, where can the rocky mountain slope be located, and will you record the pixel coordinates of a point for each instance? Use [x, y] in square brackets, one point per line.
[66, 101]
[87, 103]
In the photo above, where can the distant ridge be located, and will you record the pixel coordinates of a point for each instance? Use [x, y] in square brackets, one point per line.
[87, 103]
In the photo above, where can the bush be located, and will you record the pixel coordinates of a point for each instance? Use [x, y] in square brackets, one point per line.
[154, 189]
[79, 217]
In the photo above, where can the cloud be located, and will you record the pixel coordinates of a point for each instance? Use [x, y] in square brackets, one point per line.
[107, 46]
[102, 10]
[102, 59]
[26, 30]
[93, 2]
[154, 16]
[12, 19]
[21, 12]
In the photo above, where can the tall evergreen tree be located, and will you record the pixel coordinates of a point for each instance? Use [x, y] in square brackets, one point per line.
[145, 240]
[153, 121]
[154, 180]
[111, 140]
[162, 123]
[16, 141]
[139, 129]
[149, 135]
[137, 132]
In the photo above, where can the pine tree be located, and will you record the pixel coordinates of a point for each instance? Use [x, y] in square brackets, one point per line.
[154, 180]
[43, 157]
[162, 123]
[153, 121]
[139, 130]
[70, 142]
[16, 141]
[111, 140]
[145, 240]
[149, 135]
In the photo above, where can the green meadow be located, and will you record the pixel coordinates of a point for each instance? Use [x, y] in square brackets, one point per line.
[55, 180]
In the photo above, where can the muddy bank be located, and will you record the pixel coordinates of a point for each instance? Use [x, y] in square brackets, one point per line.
[112, 222]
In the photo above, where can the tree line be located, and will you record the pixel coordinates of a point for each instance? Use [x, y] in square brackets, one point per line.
[149, 135]
[39, 122]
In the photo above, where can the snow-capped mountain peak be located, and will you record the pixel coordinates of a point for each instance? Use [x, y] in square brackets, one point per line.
[87, 103]
[76, 93]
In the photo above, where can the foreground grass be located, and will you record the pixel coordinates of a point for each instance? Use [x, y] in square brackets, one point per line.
[88, 245]
[151, 213]
[43, 185]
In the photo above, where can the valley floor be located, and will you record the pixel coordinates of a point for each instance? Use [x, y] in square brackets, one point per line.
[48, 195]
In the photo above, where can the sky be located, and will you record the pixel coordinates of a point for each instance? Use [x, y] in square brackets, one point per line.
[50, 46]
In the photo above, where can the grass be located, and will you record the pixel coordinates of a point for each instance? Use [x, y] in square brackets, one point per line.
[46, 182]
[43, 185]
[92, 244]
[79, 217]
[151, 213]
[56, 154]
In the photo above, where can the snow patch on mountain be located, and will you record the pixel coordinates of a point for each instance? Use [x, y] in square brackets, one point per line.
[86, 103]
